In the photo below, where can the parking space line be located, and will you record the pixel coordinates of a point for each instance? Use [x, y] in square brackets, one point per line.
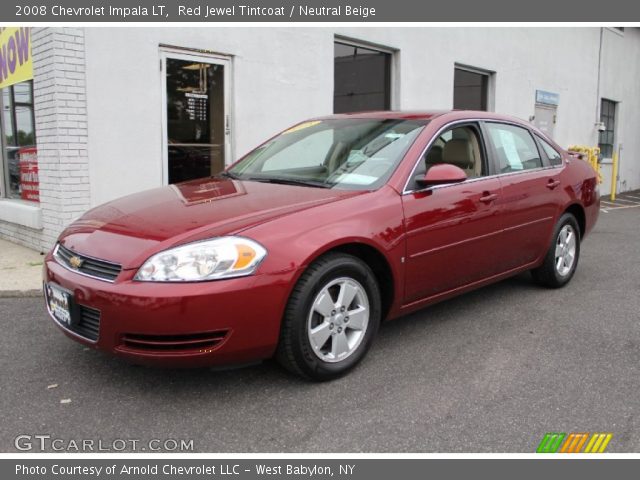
[620, 199]
[608, 209]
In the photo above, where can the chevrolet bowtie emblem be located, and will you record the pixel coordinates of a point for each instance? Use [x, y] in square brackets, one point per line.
[76, 262]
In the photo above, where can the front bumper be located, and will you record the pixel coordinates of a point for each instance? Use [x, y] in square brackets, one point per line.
[230, 321]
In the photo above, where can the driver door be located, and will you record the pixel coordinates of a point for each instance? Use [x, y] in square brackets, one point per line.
[452, 230]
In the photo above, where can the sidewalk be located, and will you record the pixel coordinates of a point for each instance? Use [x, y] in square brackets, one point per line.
[20, 271]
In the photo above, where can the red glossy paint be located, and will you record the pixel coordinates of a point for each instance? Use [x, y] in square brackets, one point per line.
[436, 243]
[443, 173]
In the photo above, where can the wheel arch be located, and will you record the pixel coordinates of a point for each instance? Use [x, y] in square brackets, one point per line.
[375, 259]
[578, 212]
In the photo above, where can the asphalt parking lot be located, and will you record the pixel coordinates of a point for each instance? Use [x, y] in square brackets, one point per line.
[491, 371]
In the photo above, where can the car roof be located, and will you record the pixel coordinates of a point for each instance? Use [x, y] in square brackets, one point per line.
[392, 114]
[444, 115]
[425, 115]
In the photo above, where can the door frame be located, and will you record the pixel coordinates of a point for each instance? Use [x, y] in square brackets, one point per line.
[196, 56]
[553, 109]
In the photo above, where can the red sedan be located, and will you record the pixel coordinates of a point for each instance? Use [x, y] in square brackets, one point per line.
[301, 248]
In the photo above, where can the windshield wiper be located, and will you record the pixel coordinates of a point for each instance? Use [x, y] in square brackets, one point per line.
[290, 181]
[233, 176]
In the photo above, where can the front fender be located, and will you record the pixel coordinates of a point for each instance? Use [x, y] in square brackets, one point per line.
[374, 219]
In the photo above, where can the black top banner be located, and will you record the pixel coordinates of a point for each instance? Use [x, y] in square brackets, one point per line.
[614, 12]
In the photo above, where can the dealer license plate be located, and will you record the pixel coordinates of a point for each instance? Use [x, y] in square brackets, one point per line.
[59, 304]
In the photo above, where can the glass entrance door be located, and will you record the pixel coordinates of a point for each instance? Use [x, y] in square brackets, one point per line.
[196, 119]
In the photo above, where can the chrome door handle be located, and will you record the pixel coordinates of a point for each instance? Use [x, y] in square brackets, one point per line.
[551, 184]
[488, 197]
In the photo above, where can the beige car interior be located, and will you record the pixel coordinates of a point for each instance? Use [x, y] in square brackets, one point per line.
[459, 147]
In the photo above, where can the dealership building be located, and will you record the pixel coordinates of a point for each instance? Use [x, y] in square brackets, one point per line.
[91, 114]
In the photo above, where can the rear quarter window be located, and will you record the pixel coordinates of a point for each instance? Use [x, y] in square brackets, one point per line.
[553, 155]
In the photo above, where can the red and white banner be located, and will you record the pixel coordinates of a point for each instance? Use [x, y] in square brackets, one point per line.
[29, 183]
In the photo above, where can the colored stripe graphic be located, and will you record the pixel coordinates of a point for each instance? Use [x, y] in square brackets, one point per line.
[550, 442]
[581, 443]
[574, 442]
[598, 443]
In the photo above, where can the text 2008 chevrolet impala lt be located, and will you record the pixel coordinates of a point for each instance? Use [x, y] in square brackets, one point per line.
[301, 248]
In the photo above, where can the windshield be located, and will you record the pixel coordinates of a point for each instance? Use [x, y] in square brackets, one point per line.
[352, 153]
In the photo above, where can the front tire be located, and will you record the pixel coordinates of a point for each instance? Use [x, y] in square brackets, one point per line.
[562, 257]
[331, 318]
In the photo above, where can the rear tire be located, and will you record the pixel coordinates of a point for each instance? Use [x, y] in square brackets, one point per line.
[562, 257]
[331, 318]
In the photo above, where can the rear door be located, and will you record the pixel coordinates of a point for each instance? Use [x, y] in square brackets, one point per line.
[530, 192]
[452, 229]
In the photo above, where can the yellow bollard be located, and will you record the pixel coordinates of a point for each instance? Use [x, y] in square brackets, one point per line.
[594, 155]
[589, 155]
[614, 176]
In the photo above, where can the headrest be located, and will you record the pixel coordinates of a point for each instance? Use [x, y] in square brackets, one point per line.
[457, 151]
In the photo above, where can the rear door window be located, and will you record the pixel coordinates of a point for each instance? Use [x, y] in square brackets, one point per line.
[514, 148]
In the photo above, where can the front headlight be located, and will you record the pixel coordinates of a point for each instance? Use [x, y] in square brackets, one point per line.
[222, 257]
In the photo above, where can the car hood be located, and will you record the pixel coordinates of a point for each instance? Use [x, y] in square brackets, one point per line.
[130, 229]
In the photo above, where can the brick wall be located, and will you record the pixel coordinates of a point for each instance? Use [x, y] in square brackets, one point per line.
[61, 132]
[19, 234]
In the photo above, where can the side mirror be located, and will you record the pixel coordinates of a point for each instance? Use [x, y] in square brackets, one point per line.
[442, 173]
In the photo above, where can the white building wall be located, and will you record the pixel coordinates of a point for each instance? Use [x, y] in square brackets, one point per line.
[284, 75]
[620, 81]
[61, 130]
[560, 60]
[280, 76]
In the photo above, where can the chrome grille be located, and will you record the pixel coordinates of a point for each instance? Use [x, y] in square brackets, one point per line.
[91, 267]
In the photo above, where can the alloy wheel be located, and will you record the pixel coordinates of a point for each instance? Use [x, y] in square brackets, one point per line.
[338, 319]
[565, 250]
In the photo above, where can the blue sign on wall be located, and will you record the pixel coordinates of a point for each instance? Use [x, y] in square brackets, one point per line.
[547, 98]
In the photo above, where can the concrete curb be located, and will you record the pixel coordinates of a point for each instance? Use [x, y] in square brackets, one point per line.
[20, 293]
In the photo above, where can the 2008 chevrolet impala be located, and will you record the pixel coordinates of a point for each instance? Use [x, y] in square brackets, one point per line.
[301, 248]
